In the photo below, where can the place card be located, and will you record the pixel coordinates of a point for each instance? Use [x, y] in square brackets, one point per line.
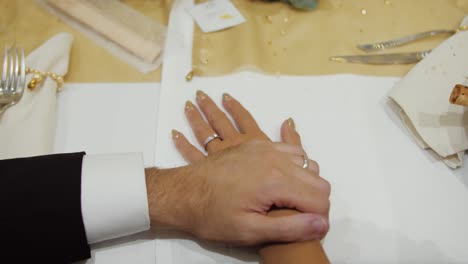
[216, 15]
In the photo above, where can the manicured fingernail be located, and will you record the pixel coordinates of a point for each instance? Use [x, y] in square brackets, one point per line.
[188, 106]
[175, 134]
[226, 97]
[291, 123]
[200, 95]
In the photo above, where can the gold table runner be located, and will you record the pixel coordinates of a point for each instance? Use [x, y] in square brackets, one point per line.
[279, 39]
[275, 38]
[88, 61]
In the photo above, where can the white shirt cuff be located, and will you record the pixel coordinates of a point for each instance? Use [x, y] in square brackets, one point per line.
[114, 200]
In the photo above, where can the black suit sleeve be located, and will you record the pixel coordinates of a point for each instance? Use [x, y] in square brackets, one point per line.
[40, 209]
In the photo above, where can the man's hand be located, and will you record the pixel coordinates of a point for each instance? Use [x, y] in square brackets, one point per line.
[226, 196]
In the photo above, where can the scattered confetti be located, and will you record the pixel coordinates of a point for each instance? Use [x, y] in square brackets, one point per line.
[189, 76]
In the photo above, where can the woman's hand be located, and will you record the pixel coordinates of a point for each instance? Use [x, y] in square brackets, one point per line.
[218, 122]
[226, 195]
[247, 129]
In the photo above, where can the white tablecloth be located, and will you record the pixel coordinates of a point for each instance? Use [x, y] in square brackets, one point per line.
[391, 200]
[108, 118]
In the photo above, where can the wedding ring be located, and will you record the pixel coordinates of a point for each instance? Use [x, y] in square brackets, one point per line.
[209, 139]
[305, 165]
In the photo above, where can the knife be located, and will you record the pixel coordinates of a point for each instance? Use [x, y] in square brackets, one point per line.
[384, 59]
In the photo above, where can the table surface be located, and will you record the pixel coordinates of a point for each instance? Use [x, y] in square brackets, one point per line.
[391, 199]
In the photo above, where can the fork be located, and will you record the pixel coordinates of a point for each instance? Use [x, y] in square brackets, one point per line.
[13, 77]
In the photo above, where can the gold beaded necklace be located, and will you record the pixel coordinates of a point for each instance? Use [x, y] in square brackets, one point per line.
[39, 77]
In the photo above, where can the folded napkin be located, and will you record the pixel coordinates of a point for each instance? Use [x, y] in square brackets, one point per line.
[28, 128]
[423, 96]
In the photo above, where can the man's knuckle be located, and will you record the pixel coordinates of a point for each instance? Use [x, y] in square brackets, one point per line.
[314, 165]
[326, 187]
[324, 205]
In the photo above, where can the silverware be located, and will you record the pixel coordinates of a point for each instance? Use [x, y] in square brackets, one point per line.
[371, 47]
[13, 77]
[379, 59]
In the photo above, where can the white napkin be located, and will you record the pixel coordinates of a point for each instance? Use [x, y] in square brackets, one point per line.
[423, 96]
[28, 128]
